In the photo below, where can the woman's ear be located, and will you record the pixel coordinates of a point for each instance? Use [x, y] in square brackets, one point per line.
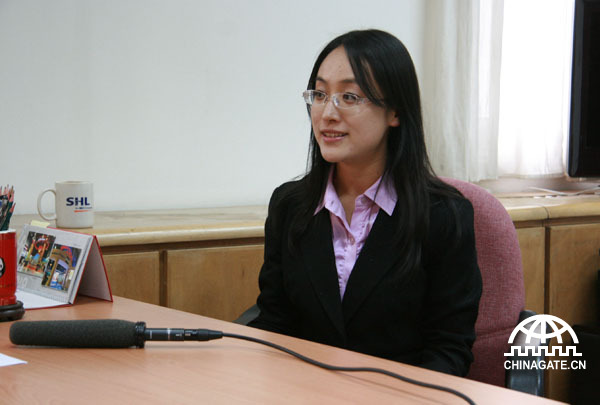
[393, 120]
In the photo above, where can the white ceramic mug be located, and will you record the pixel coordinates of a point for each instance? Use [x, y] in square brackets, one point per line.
[74, 202]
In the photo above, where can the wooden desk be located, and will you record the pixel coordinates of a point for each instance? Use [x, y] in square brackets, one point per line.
[219, 371]
[206, 260]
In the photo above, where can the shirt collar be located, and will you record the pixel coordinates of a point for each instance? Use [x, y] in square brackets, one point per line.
[383, 196]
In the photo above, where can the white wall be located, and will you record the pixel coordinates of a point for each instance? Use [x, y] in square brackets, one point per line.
[168, 104]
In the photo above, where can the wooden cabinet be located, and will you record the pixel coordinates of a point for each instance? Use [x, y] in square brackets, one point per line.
[573, 264]
[135, 275]
[533, 250]
[572, 277]
[218, 278]
[219, 282]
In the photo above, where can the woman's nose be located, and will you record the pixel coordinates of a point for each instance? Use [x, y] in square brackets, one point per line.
[330, 112]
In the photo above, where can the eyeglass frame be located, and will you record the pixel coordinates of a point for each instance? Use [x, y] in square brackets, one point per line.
[334, 97]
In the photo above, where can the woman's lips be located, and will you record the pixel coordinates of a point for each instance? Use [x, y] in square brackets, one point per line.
[331, 136]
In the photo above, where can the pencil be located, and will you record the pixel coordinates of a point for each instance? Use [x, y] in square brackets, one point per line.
[7, 206]
[6, 222]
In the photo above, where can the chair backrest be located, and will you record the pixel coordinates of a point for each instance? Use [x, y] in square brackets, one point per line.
[503, 295]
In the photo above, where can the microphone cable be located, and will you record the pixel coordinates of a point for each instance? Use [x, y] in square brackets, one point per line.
[351, 369]
[115, 333]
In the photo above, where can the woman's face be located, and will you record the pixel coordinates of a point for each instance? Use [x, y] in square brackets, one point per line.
[357, 136]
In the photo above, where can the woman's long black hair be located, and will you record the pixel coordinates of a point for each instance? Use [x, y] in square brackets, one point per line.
[384, 71]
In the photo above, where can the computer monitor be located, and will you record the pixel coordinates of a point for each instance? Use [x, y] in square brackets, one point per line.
[584, 134]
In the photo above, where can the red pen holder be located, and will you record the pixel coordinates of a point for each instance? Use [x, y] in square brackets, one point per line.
[10, 308]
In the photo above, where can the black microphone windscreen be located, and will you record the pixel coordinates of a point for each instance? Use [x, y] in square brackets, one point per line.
[92, 333]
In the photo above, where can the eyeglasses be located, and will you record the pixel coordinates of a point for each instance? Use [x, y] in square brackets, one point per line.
[343, 101]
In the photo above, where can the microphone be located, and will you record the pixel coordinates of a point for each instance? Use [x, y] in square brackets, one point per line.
[99, 333]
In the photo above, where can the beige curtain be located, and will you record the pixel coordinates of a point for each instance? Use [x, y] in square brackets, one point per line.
[495, 85]
[535, 86]
[462, 52]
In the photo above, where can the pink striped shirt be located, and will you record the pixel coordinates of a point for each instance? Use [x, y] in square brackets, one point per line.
[349, 239]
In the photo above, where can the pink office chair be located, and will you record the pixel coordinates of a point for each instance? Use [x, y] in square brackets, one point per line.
[503, 295]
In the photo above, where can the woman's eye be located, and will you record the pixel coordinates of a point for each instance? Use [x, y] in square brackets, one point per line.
[319, 95]
[350, 98]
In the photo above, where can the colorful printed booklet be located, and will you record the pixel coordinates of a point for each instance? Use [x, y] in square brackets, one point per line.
[54, 265]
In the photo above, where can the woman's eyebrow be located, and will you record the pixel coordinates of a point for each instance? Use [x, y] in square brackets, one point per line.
[350, 80]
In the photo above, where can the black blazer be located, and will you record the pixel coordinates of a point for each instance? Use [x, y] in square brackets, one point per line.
[427, 320]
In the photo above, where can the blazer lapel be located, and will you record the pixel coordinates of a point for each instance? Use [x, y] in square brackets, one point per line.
[319, 259]
[376, 257]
